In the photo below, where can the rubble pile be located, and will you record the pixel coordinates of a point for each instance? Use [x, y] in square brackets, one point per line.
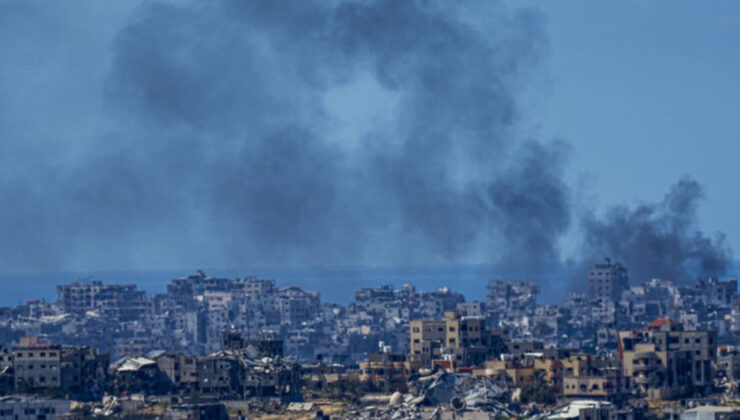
[441, 395]
[269, 376]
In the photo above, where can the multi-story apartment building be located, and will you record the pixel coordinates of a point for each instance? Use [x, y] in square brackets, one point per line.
[667, 361]
[37, 365]
[518, 297]
[458, 335]
[218, 374]
[184, 289]
[297, 305]
[82, 368]
[719, 292]
[120, 302]
[253, 286]
[381, 294]
[181, 370]
[42, 365]
[426, 340]
[607, 280]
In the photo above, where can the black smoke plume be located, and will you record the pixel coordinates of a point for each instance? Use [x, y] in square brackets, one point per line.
[659, 240]
[233, 133]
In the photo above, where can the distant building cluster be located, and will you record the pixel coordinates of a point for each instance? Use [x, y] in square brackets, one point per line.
[248, 338]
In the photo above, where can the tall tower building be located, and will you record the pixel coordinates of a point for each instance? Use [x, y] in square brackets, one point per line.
[607, 280]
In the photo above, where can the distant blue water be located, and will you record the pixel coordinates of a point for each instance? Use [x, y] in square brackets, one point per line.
[336, 284]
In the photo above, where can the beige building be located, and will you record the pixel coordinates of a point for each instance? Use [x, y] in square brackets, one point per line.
[553, 371]
[426, 340]
[42, 365]
[577, 365]
[606, 387]
[384, 367]
[462, 336]
[37, 365]
[666, 361]
[515, 372]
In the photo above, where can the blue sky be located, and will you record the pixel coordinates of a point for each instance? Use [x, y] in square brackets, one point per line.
[646, 92]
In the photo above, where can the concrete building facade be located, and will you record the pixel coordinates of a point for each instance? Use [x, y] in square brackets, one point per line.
[607, 280]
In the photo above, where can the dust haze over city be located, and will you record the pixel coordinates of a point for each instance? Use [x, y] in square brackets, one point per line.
[380, 140]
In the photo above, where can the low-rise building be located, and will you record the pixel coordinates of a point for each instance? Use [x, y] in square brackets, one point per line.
[381, 368]
[608, 387]
[516, 372]
[24, 407]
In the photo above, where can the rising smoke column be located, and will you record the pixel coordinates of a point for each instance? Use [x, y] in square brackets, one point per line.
[659, 240]
[535, 192]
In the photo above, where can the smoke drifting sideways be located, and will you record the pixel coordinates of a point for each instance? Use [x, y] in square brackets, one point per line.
[659, 240]
[263, 132]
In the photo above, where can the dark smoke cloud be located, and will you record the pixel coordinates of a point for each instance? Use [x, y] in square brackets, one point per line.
[223, 141]
[230, 133]
[534, 190]
[659, 240]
